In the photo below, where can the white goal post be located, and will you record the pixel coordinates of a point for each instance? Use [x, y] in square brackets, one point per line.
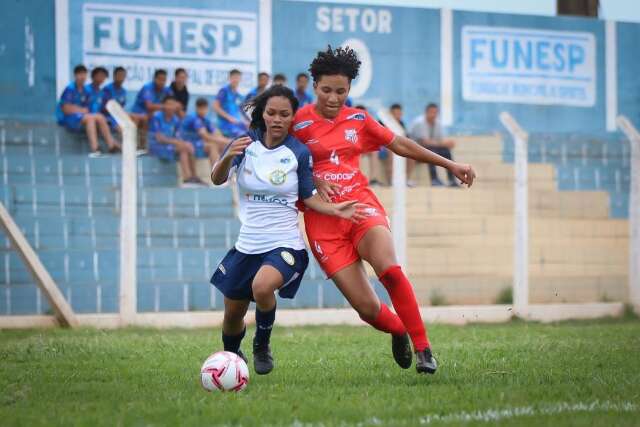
[128, 215]
[399, 183]
[632, 133]
[521, 215]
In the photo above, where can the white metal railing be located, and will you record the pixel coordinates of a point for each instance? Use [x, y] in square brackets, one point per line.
[399, 182]
[632, 133]
[521, 215]
[128, 215]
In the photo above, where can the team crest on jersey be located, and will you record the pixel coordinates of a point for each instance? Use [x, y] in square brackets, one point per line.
[356, 116]
[277, 177]
[351, 135]
[288, 258]
[302, 125]
[285, 160]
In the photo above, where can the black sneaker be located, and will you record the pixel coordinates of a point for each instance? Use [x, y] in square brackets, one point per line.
[262, 359]
[401, 347]
[425, 362]
[242, 356]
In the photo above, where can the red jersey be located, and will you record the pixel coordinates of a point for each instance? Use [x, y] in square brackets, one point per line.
[336, 144]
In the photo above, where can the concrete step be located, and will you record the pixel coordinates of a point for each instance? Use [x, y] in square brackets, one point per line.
[486, 289]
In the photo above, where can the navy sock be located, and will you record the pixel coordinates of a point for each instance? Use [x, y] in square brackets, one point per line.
[232, 342]
[264, 325]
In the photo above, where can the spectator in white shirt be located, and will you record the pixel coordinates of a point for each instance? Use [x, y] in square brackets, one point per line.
[427, 131]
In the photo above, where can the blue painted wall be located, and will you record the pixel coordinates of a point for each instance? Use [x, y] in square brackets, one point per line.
[479, 116]
[403, 43]
[628, 37]
[21, 95]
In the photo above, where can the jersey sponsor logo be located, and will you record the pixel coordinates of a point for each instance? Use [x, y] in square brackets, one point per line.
[312, 141]
[351, 135]
[302, 125]
[285, 160]
[356, 116]
[288, 258]
[264, 198]
[222, 269]
[277, 177]
[340, 176]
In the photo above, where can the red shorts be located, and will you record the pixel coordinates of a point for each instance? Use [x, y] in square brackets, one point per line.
[334, 240]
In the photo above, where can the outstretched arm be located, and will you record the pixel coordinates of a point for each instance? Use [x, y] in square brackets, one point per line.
[348, 210]
[406, 147]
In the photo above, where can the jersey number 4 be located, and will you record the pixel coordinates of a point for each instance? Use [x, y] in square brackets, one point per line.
[333, 158]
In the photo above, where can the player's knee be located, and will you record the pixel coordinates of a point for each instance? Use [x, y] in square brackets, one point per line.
[368, 311]
[232, 313]
[262, 291]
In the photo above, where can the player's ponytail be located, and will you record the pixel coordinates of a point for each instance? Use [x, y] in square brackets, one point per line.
[255, 107]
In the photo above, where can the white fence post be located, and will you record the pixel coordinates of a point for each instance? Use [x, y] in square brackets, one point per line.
[399, 183]
[128, 215]
[521, 216]
[634, 211]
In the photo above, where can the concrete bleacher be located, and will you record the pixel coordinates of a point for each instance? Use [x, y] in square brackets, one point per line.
[460, 247]
[68, 207]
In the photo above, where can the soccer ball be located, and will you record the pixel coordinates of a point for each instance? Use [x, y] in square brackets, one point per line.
[224, 371]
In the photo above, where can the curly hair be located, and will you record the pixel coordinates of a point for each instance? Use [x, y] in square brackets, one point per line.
[340, 61]
[258, 104]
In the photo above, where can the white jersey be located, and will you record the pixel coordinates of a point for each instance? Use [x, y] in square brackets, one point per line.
[270, 182]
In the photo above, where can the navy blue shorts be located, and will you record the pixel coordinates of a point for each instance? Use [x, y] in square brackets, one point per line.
[236, 271]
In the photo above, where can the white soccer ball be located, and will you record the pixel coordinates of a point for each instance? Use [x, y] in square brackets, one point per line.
[224, 371]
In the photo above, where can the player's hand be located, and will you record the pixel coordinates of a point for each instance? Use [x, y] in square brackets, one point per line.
[326, 189]
[238, 145]
[233, 120]
[464, 173]
[351, 210]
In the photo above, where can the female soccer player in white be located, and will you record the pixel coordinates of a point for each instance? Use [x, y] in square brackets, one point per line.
[273, 171]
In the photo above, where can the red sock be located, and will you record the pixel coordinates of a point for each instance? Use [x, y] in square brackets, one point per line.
[404, 301]
[388, 322]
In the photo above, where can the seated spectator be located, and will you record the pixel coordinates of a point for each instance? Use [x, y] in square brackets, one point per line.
[426, 130]
[198, 130]
[280, 79]
[178, 88]
[263, 82]
[302, 82]
[114, 90]
[228, 106]
[73, 113]
[150, 96]
[165, 144]
[148, 101]
[94, 89]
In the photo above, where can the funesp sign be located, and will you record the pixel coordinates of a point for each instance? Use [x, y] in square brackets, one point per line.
[206, 42]
[528, 66]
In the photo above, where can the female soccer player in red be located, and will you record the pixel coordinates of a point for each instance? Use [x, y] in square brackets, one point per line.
[336, 136]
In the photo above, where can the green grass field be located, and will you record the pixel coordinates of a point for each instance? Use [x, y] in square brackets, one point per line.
[577, 373]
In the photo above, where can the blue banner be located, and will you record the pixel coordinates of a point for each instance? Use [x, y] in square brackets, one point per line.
[207, 38]
[399, 48]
